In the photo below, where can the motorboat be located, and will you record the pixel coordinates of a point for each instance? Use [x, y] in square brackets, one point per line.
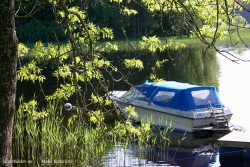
[181, 106]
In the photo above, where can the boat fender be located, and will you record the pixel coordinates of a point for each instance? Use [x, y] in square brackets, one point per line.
[70, 107]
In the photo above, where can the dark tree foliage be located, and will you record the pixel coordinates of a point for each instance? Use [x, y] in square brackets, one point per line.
[103, 14]
[38, 26]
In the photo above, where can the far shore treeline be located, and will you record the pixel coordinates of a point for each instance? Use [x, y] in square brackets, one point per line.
[106, 14]
[43, 24]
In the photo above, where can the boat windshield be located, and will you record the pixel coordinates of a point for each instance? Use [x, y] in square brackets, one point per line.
[201, 97]
[165, 96]
[134, 94]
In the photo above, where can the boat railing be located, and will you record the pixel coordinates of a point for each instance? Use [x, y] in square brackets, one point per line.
[210, 108]
[218, 113]
[153, 92]
[130, 95]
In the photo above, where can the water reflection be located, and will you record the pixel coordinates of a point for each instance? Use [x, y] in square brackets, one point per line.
[197, 149]
[234, 86]
[196, 66]
[203, 154]
[193, 64]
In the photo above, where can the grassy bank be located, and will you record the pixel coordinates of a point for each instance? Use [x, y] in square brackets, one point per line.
[235, 39]
[239, 38]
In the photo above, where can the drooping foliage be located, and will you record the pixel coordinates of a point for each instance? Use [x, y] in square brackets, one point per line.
[82, 71]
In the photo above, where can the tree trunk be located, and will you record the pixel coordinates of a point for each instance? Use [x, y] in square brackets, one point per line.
[8, 63]
[145, 24]
[138, 27]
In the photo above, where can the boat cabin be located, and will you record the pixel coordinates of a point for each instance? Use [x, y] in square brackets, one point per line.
[180, 96]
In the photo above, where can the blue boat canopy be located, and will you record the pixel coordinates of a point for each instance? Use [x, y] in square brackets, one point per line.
[181, 96]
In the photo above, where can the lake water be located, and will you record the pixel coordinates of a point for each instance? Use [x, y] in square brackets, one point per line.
[191, 66]
[234, 87]
[233, 83]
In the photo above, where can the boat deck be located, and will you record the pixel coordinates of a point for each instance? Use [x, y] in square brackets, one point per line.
[236, 139]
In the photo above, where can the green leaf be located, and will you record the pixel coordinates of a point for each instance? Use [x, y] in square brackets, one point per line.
[128, 12]
[133, 64]
[63, 71]
[150, 43]
[64, 92]
[96, 116]
[30, 72]
[131, 111]
[22, 50]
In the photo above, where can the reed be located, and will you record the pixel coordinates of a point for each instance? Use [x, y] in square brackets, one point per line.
[45, 137]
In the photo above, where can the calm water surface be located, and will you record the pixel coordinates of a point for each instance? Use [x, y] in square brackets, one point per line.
[234, 87]
[233, 83]
[188, 65]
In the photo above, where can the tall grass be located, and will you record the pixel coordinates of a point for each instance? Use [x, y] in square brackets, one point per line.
[44, 138]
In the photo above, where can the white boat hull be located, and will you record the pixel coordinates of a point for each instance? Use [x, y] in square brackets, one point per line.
[178, 120]
[188, 121]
